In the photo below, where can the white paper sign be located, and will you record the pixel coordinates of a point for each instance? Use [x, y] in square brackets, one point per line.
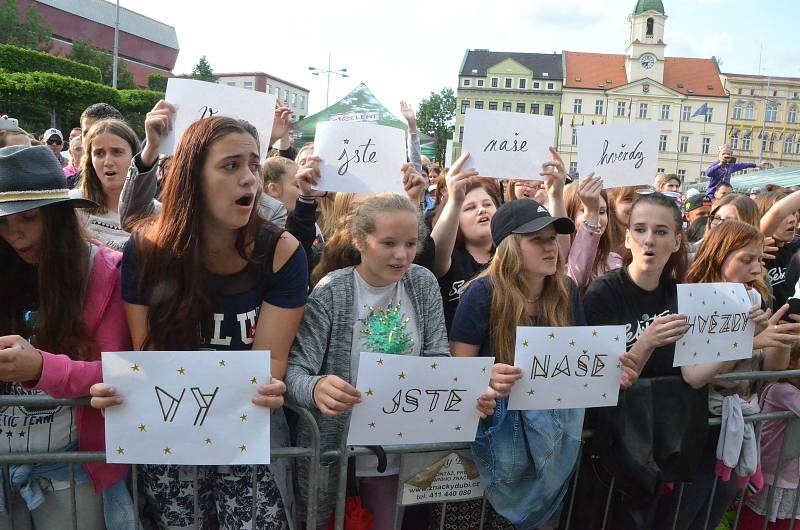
[624, 154]
[507, 145]
[438, 477]
[360, 157]
[414, 400]
[187, 407]
[200, 99]
[719, 329]
[567, 368]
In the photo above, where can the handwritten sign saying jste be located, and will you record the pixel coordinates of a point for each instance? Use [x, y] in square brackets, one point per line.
[412, 400]
[187, 407]
[507, 144]
[439, 477]
[566, 368]
[624, 154]
[360, 157]
[719, 327]
[196, 100]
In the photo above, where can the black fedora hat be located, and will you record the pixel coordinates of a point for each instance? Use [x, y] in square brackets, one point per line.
[31, 177]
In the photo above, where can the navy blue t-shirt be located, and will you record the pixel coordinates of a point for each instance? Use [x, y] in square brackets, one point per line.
[472, 319]
[238, 297]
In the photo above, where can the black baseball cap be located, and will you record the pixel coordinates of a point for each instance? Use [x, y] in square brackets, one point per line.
[525, 216]
[696, 201]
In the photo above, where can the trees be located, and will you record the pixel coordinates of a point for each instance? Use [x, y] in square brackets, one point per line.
[435, 118]
[86, 53]
[202, 71]
[33, 32]
[157, 82]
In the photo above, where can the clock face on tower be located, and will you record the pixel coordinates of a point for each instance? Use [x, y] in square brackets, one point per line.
[647, 61]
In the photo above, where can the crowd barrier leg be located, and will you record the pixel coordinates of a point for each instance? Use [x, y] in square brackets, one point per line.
[711, 502]
[608, 502]
[483, 514]
[678, 507]
[574, 488]
[9, 495]
[135, 494]
[72, 501]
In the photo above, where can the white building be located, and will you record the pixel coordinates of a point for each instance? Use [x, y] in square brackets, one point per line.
[288, 94]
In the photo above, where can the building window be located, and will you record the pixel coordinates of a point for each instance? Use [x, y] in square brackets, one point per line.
[467, 82]
[598, 107]
[660, 170]
[231, 83]
[508, 82]
[686, 113]
[492, 105]
[248, 85]
[750, 111]
[534, 108]
[464, 106]
[771, 143]
[479, 82]
[662, 143]
[797, 147]
[746, 142]
[522, 83]
[737, 110]
[791, 116]
[642, 110]
[650, 23]
[548, 110]
[536, 85]
[706, 145]
[764, 142]
[735, 140]
[461, 134]
[479, 105]
[752, 91]
[285, 96]
[577, 106]
[772, 112]
[774, 93]
[294, 98]
[709, 114]
[551, 86]
[682, 174]
[665, 112]
[302, 100]
[740, 91]
[521, 107]
[494, 82]
[621, 105]
[573, 167]
[787, 145]
[574, 136]
[507, 106]
[684, 144]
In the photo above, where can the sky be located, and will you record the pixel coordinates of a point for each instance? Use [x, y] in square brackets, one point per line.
[406, 50]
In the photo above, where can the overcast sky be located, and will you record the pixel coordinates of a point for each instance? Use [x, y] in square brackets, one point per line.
[405, 50]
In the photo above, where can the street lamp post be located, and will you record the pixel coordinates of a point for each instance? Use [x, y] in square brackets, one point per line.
[327, 72]
[116, 50]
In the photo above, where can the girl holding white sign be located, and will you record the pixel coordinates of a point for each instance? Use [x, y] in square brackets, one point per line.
[207, 272]
[731, 252]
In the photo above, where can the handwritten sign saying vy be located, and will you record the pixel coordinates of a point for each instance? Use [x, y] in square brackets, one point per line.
[413, 400]
[567, 368]
[190, 408]
[507, 144]
[196, 100]
[360, 157]
[719, 327]
[624, 154]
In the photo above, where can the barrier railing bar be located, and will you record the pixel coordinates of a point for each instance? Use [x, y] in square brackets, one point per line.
[254, 501]
[73, 504]
[678, 507]
[314, 470]
[794, 508]
[608, 502]
[711, 502]
[135, 494]
[755, 376]
[574, 489]
[9, 493]
[196, 497]
[483, 514]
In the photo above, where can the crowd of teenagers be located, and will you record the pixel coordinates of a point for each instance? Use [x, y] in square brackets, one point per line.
[219, 247]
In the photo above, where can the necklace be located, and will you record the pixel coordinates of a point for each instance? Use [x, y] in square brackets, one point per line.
[532, 301]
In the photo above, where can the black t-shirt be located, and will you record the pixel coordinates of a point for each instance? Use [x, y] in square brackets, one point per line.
[237, 297]
[472, 322]
[463, 268]
[783, 273]
[613, 299]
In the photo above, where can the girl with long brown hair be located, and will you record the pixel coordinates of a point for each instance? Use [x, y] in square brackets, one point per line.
[731, 252]
[61, 306]
[207, 272]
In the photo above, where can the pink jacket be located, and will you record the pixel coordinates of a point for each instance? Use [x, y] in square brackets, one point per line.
[775, 397]
[581, 257]
[104, 318]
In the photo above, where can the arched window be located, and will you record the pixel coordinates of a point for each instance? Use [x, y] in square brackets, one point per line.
[750, 111]
[737, 110]
[787, 144]
[791, 116]
[772, 112]
[650, 23]
[746, 141]
[735, 140]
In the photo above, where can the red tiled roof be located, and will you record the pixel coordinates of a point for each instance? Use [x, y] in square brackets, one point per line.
[595, 69]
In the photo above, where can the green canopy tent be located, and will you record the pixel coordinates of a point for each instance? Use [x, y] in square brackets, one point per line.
[359, 105]
[782, 176]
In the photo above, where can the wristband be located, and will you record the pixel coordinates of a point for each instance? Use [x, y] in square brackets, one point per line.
[597, 229]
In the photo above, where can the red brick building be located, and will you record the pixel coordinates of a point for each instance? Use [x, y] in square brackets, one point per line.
[147, 46]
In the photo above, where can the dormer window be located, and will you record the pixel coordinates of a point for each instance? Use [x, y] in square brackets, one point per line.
[650, 23]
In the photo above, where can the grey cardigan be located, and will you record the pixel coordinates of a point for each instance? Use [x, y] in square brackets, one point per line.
[323, 343]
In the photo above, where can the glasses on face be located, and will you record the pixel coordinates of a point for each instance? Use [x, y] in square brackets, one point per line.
[55, 141]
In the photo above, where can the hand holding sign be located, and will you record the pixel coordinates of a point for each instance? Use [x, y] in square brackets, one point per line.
[158, 123]
[622, 154]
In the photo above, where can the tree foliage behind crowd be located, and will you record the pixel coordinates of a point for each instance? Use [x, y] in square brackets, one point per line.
[202, 71]
[86, 53]
[435, 118]
[30, 32]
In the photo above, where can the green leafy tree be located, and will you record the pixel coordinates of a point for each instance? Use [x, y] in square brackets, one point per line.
[86, 53]
[32, 32]
[157, 82]
[435, 118]
[202, 71]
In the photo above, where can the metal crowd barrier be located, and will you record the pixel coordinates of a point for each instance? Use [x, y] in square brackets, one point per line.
[75, 457]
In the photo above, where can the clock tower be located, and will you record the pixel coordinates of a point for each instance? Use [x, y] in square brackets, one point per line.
[645, 54]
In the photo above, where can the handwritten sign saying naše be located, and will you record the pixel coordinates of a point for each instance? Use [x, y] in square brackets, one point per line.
[622, 154]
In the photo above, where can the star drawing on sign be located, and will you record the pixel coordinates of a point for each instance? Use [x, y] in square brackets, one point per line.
[346, 141]
[401, 375]
[399, 435]
[718, 354]
[605, 395]
[22, 434]
[167, 451]
[708, 341]
[182, 370]
[135, 367]
[242, 448]
[430, 420]
[371, 425]
[531, 392]
[457, 428]
[208, 441]
[243, 417]
[254, 381]
[690, 294]
[594, 333]
[380, 361]
[616, 339]
[369, 392]
[572, 343]
[434, 366]
[586, 385]
[120, 451]
[551, 335]
[694, 354]
[222, 362]
[703, 302]
[735, 344]
[524, 343]
[558, 400]
[9, 434]
[455, 379]
[142, 428]
[483, 370]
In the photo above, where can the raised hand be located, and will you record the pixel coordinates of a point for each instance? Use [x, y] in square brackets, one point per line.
[554, 174]
[457, 178]
[157, 125]
[414, 184]
[408, 113]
